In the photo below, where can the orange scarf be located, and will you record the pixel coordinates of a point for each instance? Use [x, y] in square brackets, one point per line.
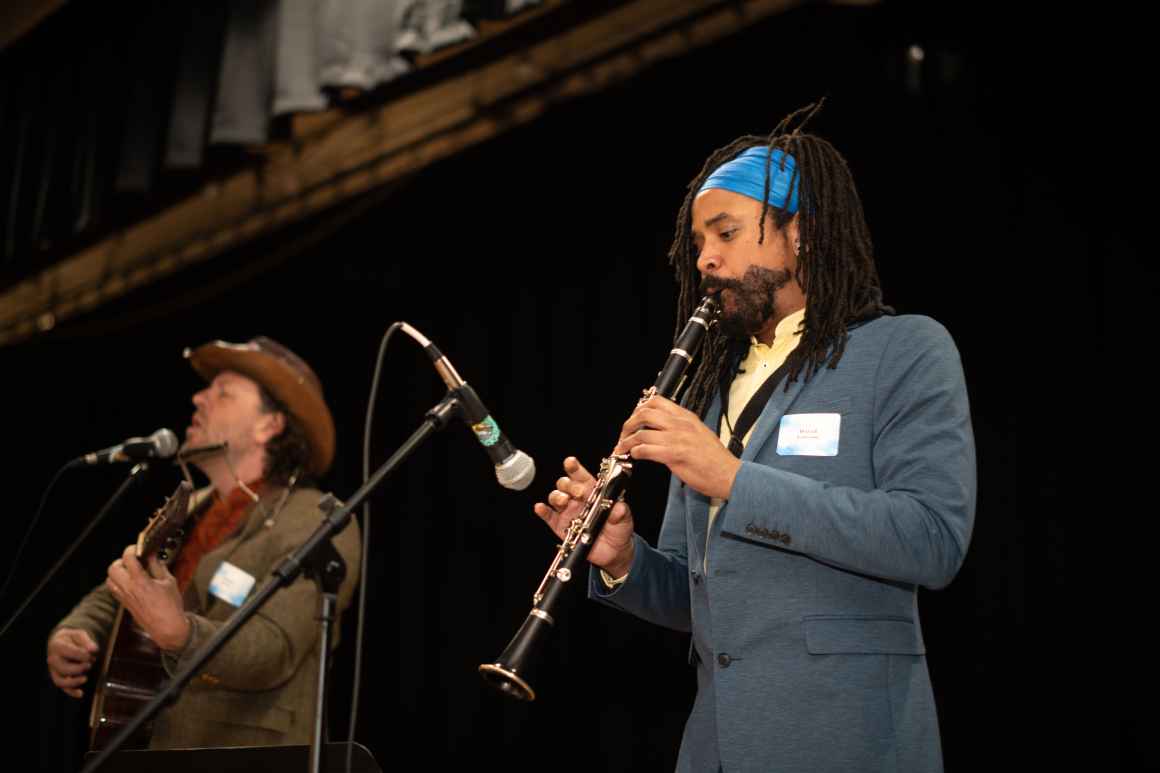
[215, 525]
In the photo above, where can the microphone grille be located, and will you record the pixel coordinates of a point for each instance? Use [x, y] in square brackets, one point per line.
[166, 442]
[517, 472]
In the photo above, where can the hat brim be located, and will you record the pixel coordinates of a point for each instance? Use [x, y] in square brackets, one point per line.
[286, 385]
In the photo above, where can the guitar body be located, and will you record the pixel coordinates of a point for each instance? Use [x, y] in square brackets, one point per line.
[131, 672]
[131, 676]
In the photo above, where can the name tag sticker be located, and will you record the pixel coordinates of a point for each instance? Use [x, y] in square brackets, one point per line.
[231, 584]
[809, 434]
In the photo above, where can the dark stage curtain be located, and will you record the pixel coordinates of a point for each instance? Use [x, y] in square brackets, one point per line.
[537, 263]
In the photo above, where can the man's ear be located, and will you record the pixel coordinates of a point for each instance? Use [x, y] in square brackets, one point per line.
[269, 426]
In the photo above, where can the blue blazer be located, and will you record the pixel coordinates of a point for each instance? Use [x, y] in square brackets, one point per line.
[805, 631]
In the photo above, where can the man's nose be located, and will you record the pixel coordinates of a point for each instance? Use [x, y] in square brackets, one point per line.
[199, 398]
[708, 261]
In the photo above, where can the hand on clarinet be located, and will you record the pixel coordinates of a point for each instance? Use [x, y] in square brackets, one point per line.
[614, 547]
[662, 431]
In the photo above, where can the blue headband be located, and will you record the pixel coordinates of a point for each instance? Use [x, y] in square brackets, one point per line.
[745, 174]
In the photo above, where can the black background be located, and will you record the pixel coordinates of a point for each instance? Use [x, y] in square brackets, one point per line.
[537, 263]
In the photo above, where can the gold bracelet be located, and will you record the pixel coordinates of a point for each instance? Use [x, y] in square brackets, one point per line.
[611, 583]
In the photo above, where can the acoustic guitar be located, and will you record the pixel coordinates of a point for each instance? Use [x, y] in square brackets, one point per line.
[131, 673]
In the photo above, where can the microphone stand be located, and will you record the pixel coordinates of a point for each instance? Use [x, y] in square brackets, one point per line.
[327, 568]
[134, 474]
[334, 522]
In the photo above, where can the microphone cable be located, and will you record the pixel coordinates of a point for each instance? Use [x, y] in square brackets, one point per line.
[137, 470]
[366, 535]
[422, 340]
[31, 527]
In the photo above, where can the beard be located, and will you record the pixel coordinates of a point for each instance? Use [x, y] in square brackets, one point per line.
[750, 301]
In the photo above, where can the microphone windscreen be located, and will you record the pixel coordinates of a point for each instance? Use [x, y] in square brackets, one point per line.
[517, 472]
[166, 442]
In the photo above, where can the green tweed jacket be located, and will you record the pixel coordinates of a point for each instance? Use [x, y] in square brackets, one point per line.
[259, 689]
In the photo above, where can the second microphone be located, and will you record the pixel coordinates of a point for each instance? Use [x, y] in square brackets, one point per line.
[513, 468]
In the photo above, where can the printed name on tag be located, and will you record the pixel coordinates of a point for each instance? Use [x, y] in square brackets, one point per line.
[809, 434]
[231, 584]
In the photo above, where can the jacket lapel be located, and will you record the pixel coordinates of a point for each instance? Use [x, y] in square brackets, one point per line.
[697, 504]
[253, 520]
[779, 402]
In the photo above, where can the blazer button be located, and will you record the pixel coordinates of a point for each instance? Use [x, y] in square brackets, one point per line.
[724, 660]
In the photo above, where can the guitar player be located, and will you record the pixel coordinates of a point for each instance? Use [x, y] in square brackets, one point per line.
[269, 433]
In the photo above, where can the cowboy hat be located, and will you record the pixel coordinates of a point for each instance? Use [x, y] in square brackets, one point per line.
[283, 374]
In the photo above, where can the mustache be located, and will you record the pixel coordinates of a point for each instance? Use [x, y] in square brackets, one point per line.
[715, 284]
[766, 279]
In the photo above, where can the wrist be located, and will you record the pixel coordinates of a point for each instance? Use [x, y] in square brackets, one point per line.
[179, 639]
[731, 470]
[618, 567]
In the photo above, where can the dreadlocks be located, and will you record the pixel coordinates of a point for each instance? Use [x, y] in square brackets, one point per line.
[835, 263]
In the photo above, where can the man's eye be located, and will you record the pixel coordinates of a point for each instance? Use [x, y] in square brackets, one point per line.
[728, 234]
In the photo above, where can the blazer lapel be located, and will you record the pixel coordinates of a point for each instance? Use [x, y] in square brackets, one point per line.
[779, 402]
[697, 504]
[252, 521]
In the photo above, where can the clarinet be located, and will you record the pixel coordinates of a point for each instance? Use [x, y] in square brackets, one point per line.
[509, 671]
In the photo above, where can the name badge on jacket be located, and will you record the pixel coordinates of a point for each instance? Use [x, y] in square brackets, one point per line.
[231, 584]
[809, 434]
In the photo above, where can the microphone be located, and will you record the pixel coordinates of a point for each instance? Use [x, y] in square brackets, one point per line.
[513, 468]
[162, 444]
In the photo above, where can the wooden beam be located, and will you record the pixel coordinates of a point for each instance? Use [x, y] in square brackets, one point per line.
[365, 150]
[19, 17]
